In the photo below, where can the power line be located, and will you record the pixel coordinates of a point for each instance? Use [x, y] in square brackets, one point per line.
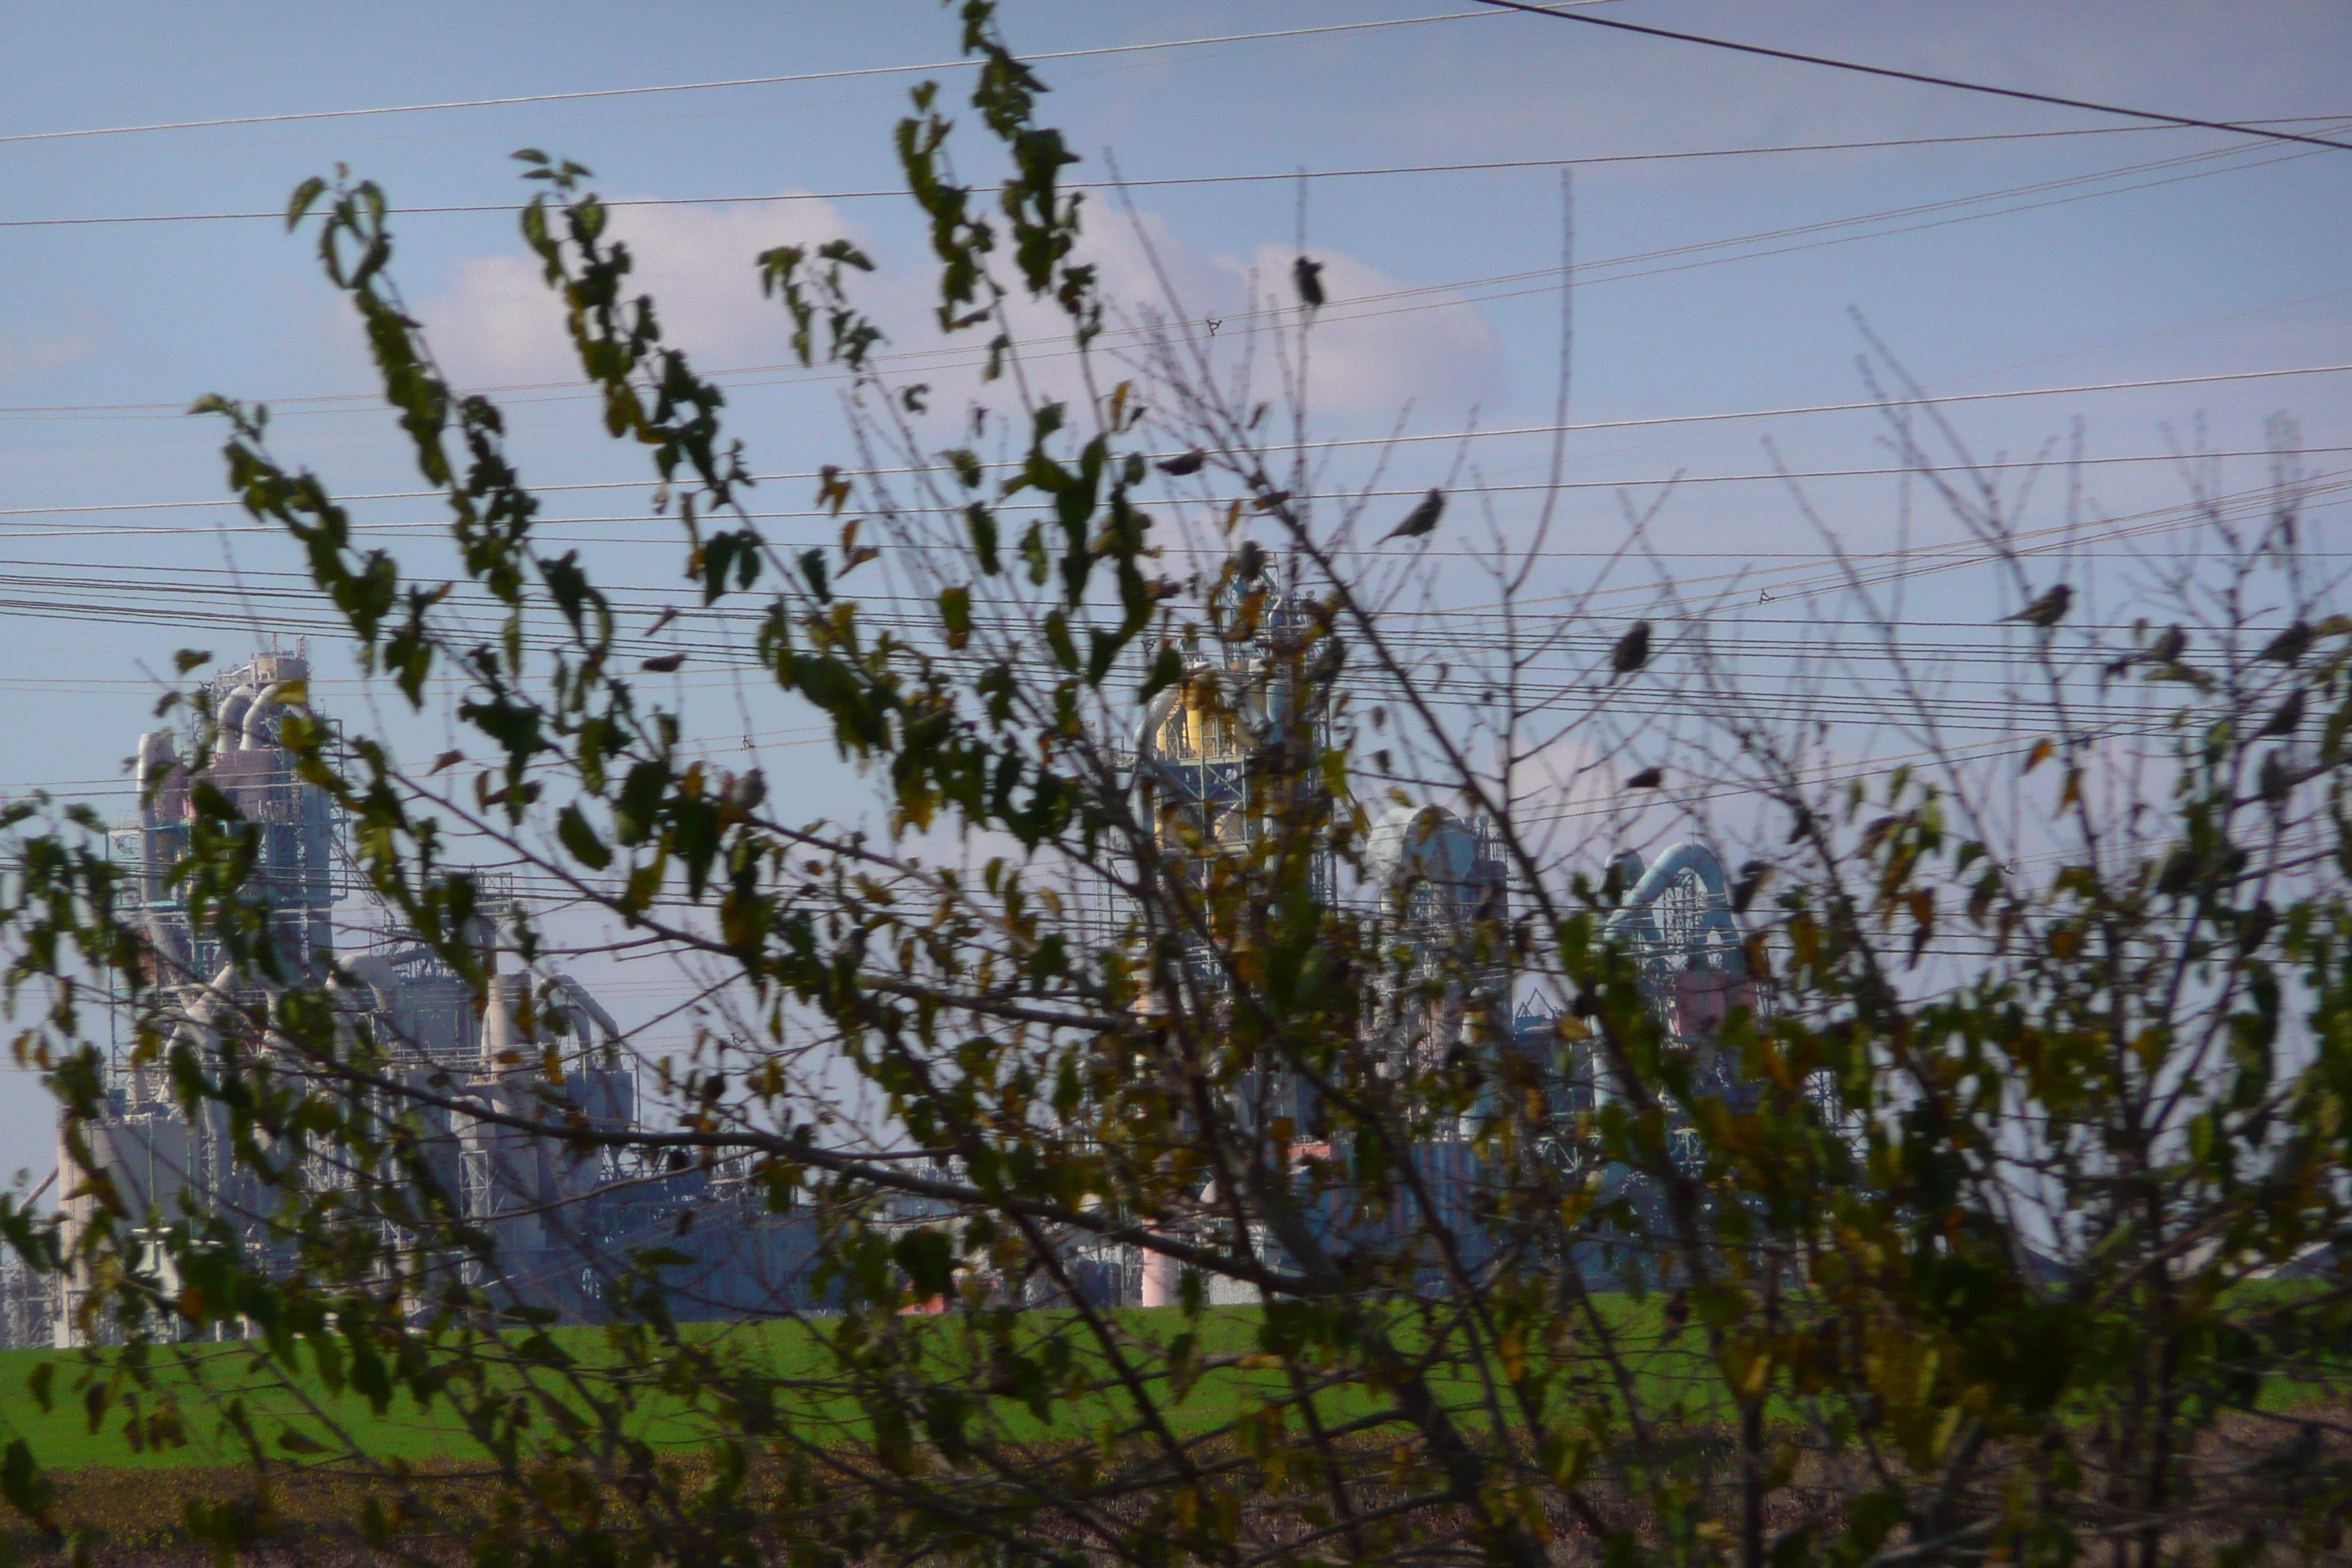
[959, 356]
[726, 82]
[1459, 622]
[1160, 181]
[956, 356]
[1785, 411]
[1679, 480]
[2241, 129]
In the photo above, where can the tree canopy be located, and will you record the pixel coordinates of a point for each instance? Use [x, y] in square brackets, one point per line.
[1233, 918]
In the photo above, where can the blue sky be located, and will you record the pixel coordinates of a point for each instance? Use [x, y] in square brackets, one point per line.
[2230, 263]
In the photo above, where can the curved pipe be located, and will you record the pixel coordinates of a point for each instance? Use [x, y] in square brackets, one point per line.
[195, 1019]
[1632, 917]
[261, 718]
[577, 994]
[375, 972]
[231, 715]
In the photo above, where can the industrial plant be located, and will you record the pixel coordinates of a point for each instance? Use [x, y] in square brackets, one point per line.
[564, 1221]
[567, 1217]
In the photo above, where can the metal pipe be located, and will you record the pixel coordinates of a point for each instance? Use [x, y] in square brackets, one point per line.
[264, 708]
[578, 996]
[231, 717]
[1715, 914]
[377, 973]
[158, 755]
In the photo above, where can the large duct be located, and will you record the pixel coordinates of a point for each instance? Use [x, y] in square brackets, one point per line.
[159, 753]
[1635, 919]
[268, 710]
[577, 994]
[231, 717]
[374, 974]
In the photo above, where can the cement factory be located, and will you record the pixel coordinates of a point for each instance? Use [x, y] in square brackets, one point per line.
[566, 1222]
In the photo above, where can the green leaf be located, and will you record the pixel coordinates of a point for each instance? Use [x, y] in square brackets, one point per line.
[1058, 636]
[306, 195]
[928, 1261]
[581, 839]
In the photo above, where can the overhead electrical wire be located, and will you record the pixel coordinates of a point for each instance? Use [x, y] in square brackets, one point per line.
[1290, 176]
[1859, 569]
[173, 591]
[2241, 128]
[1644, 422]
[546, 525]
[728, 82]
[1362, 308]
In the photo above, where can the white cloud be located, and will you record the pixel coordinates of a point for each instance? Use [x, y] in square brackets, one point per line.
[497, 322]
[29, 353]
[1372, 354]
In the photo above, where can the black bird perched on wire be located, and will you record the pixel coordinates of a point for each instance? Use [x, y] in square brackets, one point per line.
[1632, 649]
[1648, 778]
[1421, 519]
[2291, 645]
[745, 791]
[1183, 463]
[662, 664]
[2046, 611]
[2166, 651]
[2289, 717]
[1308, 276]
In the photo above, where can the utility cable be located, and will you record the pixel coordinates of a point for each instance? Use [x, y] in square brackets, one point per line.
[2241, 129]
[952, 357]
[1782, 412]
[544, 524]
[1379, 171]
[726, 82]
[956, 356]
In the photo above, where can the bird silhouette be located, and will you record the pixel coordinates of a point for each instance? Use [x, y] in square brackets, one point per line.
[1308, 275]
[2277, 780]
[2046, 611]
[1421, 518]
[745, 791]
[2166, 649]
[1183, 463]
[1648, 778]
[1632, 649]
[662, 664]
[2289, 717]
[668, 614]
[2291, 645]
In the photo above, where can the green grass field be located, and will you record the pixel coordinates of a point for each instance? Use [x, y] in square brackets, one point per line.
[201, 1380]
